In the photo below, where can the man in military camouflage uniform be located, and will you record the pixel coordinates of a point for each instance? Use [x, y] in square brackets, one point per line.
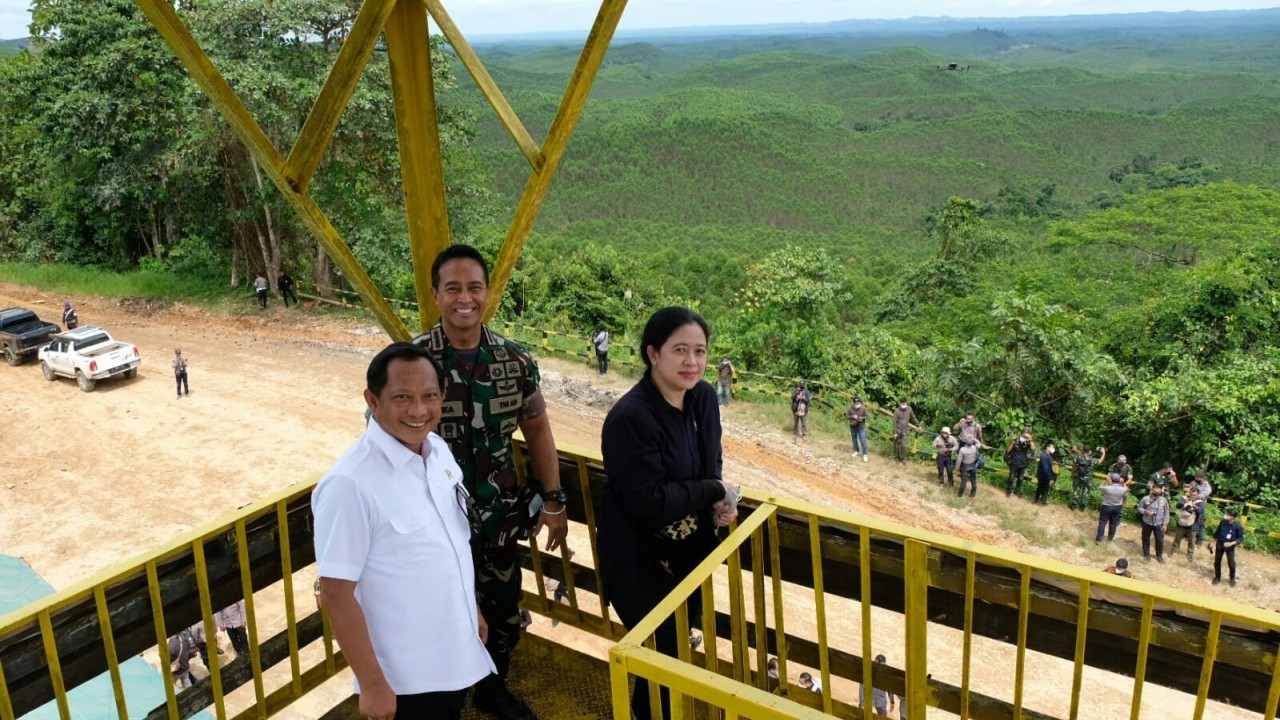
[491, 389]
[1082, 477]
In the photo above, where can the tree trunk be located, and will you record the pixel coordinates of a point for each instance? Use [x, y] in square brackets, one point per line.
[324, 276]
[235, 264]
[271, 250]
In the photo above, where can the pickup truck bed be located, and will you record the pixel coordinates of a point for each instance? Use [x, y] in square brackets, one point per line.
[22, 333]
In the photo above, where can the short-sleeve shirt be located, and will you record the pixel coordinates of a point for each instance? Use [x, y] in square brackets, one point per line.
[1113, 494]
[394, 522]
[487, 392]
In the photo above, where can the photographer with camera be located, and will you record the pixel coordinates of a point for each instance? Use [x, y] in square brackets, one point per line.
[724, 381]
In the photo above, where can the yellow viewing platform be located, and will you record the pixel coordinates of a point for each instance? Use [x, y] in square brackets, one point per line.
[968, 630]
[816, 588]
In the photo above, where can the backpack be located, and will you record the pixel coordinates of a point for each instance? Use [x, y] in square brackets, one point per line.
[1187, 515]
[1082, 467]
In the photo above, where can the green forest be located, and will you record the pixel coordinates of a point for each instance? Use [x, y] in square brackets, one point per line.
[1076, 229]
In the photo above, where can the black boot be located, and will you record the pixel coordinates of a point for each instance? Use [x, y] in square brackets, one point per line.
[493, 697]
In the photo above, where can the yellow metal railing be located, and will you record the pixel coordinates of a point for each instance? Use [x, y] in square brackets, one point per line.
[780, 585]
[935, 584]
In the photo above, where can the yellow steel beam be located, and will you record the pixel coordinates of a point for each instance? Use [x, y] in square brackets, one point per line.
[575, 97]
[54, 664]
[1082, 634]
[1140, 669]
[421, 162]
[487, 86]
[739, 700]
[820, 609]
[1206, 669]
[338, 88]
[202, 70]
[109, 649]
[916, 617]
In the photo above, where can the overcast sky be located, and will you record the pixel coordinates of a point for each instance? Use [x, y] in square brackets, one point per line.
[486, 17]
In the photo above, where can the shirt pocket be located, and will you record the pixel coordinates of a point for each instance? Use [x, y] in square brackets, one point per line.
[412, 538]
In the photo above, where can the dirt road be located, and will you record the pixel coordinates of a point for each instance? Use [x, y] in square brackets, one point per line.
[95, 478]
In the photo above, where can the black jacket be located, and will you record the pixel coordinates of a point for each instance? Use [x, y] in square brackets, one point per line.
[662, 464]
[1045, 471]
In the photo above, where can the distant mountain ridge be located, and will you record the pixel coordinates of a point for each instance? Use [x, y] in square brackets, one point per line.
[1199, 22]
[17, 43]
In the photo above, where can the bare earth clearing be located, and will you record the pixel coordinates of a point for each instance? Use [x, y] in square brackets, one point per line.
[93, 479]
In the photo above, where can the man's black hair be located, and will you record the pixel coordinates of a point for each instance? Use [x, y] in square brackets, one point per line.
[454, 252]
[663, 324]
[1122, 563]
[1167, 465]
[375, 377]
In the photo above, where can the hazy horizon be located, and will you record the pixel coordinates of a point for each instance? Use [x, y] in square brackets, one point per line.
[506, 17]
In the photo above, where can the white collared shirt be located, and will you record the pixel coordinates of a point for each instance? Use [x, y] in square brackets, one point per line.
[394, 522]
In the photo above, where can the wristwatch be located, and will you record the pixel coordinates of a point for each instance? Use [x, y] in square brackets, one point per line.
[555, 496]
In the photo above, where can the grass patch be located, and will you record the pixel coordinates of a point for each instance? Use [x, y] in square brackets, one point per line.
[75, 280]
[1029, 526]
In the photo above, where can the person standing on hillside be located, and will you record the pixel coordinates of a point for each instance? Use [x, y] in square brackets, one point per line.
[968, 431]
[1187, 519]
[179, 364]
[1166, 477]
[800, 409]
[69, 317]
[944, 447]
[968, 460]
[1122, 468]
[1114, 489]
[857, 417]
[1154, 511]
[284, 283]
[724, 381]
[904, 419]
[260, 286]
[1082, 477]
[601, 343]
[1018, 458]
[1046, 474]
[1203, 490]
[1225, 540]
[491, 388]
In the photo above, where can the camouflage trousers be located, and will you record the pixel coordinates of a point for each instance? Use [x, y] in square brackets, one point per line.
[498, 593]
[1079, 494]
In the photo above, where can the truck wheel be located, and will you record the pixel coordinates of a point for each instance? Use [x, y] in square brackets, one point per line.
[85, 383]
[48, 372]
[131, 373]
[11, 357]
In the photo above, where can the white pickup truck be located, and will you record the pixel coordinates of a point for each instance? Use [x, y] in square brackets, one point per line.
[88, 354]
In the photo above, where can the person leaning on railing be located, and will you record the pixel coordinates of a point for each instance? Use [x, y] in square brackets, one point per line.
[665, 499]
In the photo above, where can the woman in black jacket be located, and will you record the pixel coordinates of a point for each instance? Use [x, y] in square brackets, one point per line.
[665, 498]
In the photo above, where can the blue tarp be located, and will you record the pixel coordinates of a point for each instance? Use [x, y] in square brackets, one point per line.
[94, 700]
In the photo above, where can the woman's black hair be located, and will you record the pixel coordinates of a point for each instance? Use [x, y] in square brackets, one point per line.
[375, 377]
[662, 324]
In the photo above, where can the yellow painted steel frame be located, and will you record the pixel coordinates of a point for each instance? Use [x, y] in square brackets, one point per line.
[422, 162]
[634, 655]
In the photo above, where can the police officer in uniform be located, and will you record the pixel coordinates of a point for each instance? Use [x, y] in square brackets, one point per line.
[492, 388]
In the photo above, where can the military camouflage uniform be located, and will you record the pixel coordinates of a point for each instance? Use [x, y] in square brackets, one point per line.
[484, 402]
[1081, 477]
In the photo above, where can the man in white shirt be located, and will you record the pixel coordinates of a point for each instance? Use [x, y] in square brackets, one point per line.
[393, 550]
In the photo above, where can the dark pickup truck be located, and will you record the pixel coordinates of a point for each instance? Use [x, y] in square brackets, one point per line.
[22, 334]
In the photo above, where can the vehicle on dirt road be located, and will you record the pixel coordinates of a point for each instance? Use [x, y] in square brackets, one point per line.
[22, 334]
[88, 354]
